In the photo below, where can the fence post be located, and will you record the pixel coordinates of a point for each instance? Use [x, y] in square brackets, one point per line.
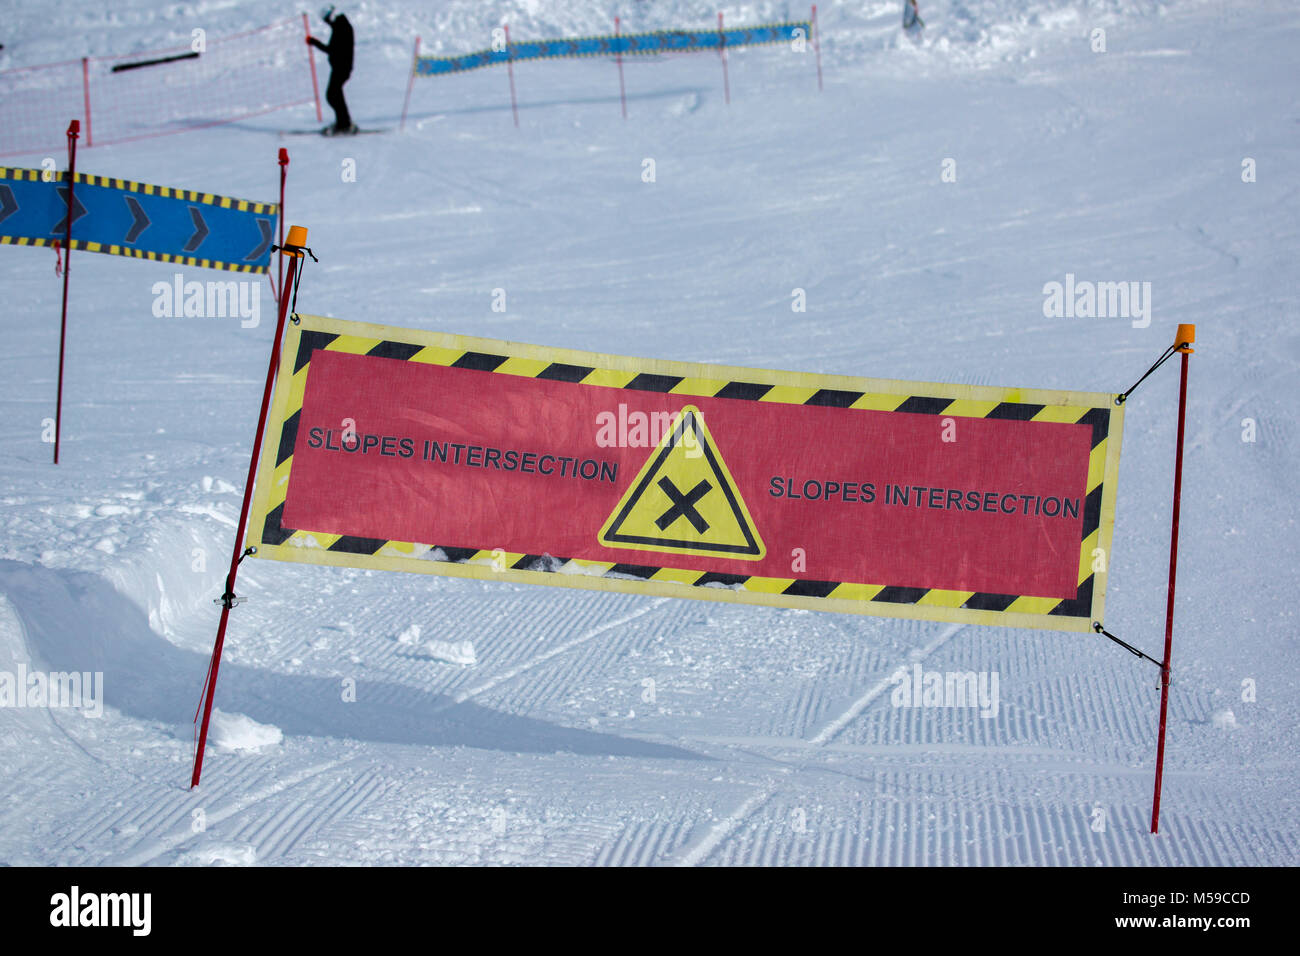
[618, 57]
[284, 170]
[510, 67]
[722, 52]
[415, 61]
[73, 129]
[817, 46]
[85, 96]
[294, 250]
[1186, 336]
[311, 59]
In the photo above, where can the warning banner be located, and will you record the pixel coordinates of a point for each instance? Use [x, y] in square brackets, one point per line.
[420, 451]
[123, 218]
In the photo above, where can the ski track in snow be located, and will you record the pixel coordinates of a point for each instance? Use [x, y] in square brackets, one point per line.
[711, 840]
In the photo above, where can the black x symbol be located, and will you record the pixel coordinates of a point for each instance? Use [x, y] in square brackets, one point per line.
[683, 505]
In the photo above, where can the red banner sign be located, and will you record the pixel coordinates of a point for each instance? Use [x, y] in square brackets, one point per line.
[412, 450]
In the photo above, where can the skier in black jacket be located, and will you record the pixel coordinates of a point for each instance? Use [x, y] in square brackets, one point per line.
[339, 51]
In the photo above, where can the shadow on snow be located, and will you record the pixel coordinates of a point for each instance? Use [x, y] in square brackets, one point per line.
[76, 621]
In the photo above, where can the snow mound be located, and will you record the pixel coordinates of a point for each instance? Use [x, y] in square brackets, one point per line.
[409, 636]
[236, 732]
[453, 652]
[220, 854]
[1224, 719]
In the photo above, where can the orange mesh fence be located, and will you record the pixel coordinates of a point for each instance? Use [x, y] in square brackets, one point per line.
[158, 92]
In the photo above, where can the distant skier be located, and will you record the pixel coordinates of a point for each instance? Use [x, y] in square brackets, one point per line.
[911, 17]
[339, 51]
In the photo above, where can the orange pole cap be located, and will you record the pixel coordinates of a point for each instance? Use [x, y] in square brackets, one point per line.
[296, 240]
[1186, 335]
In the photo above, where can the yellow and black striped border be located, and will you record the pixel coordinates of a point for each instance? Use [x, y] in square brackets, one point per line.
[1097, 410]
[165, 192]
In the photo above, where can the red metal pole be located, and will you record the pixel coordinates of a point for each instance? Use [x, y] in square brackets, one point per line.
[311, 59]
[415, 62]
[510, 66]
[85, 97]
[73, 129]
[618, 57]
[284, 169]
[722, 52]
[215, 663]
[1186, 335]
[817, 46]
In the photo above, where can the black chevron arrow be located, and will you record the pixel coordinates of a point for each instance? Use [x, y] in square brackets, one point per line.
[265, 226]
[141, 222]
[8, 205]
[200, 230]
[78, 210]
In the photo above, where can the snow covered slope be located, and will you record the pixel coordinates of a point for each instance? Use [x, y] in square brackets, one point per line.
[611, 729]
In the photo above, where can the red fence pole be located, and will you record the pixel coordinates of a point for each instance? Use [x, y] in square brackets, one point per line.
[85, 97]
[284, 169]
[415, 60]
[722, 52]
[73, 129]
[1186, 336]
[817, 46]
[297, 238]
[311, 59]
[510, 66]
[618, 57]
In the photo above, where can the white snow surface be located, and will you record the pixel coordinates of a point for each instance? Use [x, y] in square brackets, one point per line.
[615, 729]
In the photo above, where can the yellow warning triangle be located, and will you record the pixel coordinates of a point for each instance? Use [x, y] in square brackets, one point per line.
[684, 500]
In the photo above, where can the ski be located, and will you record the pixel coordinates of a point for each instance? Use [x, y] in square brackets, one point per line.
[321, 132]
